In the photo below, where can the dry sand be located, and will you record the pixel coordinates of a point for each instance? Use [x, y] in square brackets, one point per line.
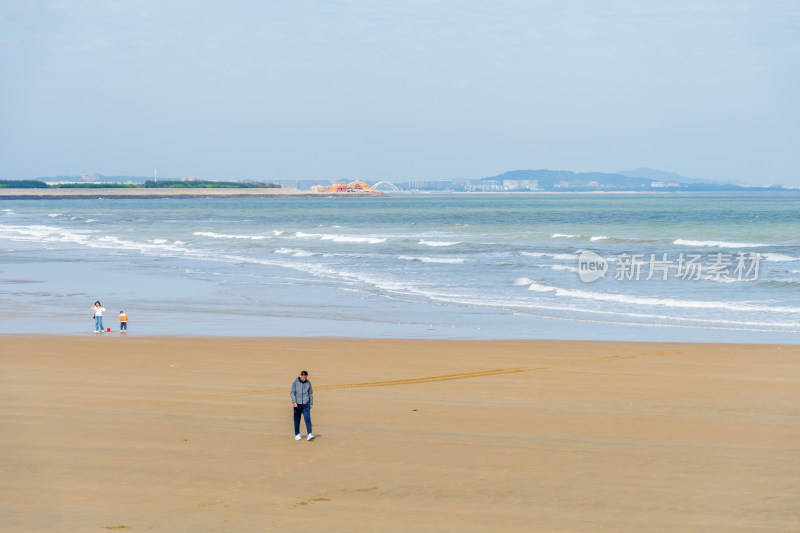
[176, 434]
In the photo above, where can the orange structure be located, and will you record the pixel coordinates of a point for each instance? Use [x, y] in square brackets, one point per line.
[356, 186]
[339, 186]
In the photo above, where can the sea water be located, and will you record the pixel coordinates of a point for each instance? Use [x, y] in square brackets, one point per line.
[715, 267]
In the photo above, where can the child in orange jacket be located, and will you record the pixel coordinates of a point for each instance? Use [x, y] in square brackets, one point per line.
[123, 323]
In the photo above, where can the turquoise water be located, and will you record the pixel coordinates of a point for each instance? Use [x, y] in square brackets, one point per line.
[483, 266]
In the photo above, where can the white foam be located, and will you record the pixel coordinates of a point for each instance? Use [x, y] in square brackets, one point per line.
[295, 252]
[351, 238]
[450, 260]
[538, 287]
[227, 235]
[438, 243]
[779, 258]
[53, 215]
[90, 220]
[561, 257]
[563, 267]
[341, 238]
[669, 302]
[39, 233]
[89, 238]
[717, 244]
[558, 267]
[643, 300]
[599, 238]
[358, 279]
[157, 241]
[535, 308]
[108, 241]
[563, 236]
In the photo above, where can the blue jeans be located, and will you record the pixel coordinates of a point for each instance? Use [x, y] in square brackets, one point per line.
[304, 410]
[98, 323]
[123, 325]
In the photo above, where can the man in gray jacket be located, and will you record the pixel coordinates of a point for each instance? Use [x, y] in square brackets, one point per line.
[302, 396]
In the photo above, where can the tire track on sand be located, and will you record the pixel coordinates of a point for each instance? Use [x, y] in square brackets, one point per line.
[426, 379]
[386, 383]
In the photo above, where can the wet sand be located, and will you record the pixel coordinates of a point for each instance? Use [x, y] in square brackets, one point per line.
[171, 434]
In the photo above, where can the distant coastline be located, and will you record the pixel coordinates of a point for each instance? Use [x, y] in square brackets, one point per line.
[134, 193]
[643, 179]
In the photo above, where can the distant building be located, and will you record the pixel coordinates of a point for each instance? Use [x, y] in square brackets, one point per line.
[520, 185]
[462, 185]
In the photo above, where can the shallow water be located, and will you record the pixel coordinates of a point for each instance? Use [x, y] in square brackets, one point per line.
[439, 266]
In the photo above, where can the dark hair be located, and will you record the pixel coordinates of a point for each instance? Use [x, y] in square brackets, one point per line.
[303, 373]
[98, 303]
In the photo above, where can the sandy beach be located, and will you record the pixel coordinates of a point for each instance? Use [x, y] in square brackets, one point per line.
[194, 434]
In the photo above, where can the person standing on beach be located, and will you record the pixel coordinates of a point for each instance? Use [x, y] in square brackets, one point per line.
[98, 317]
[123, 323]
[302, 396]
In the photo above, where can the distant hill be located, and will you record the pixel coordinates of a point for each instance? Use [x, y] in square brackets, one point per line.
[555, 179]
[642, 179]
[659, 175]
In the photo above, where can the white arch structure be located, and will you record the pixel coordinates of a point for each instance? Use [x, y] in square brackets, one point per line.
[390, 185]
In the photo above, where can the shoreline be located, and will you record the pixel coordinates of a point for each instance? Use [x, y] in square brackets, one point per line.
[336, 339]
[172, 433]
[137, 334]
[133, 193]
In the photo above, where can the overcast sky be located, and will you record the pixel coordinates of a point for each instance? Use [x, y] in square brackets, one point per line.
[433, 89]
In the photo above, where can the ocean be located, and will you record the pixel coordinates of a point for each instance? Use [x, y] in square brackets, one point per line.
[697, 267]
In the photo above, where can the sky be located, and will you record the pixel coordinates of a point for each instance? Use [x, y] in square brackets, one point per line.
[399, 90]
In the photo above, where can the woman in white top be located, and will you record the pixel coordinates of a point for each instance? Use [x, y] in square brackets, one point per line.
[98, 317]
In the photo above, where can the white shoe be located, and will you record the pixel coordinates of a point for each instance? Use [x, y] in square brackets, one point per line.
[298, 437]
[310, 436]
